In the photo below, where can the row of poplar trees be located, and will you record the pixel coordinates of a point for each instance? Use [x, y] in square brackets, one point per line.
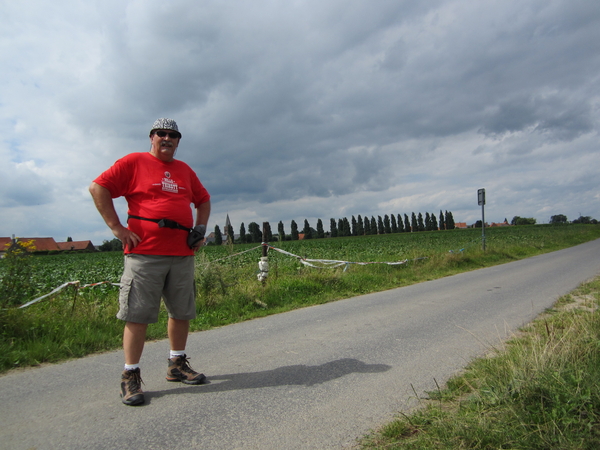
[356, 226]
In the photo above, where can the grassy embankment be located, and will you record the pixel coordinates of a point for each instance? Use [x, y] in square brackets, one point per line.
[537, 391]
[79, 322]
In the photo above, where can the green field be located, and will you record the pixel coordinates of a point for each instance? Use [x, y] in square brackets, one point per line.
[76, 322]
[510, 242]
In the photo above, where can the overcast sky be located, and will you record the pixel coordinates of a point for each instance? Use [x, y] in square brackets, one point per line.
[304, 109]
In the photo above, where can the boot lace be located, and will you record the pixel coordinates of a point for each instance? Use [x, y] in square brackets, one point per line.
[134, 384]
[185, 365]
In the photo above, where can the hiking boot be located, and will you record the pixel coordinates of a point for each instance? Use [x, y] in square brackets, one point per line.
[180, 370]
[131, 389]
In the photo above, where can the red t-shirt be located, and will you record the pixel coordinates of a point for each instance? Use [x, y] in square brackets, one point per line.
[156, 190]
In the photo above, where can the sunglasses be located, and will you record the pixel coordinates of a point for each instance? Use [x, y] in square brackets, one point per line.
[172, 134]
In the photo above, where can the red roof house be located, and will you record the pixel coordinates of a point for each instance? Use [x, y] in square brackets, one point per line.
[76, 246]
[501, 224]
[40, 244]
[43, 244]
[46, 244]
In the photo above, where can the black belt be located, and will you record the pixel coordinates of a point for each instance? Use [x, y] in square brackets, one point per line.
[162, 223]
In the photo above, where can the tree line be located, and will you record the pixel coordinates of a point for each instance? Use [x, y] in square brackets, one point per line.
[562, 219]
[558, 219]
[356, 226]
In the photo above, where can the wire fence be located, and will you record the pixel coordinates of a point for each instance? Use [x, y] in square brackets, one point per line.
[263, 267]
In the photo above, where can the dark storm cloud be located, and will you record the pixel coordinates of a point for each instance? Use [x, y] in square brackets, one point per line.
[289, 107]
[564, 118]
[280, 82]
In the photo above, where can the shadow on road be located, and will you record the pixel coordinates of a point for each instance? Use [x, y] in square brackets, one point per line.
[300, 375]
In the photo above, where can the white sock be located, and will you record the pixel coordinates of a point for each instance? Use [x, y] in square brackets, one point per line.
[176, 353]
[131, 366]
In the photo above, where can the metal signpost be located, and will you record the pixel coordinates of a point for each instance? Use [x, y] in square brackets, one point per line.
[481, 201]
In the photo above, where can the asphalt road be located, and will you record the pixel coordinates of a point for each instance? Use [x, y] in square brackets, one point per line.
[316, 378]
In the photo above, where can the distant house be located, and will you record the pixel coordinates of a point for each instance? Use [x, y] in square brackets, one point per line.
[5, 243]
[45, 245]
[460, 225]
[501, 224]
[76, 246]
[40, 244]
[210, 237]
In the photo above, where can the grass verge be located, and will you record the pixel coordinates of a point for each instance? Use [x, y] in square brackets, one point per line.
[538, 391]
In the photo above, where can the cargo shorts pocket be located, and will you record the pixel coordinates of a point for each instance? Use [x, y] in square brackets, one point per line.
[124, 292]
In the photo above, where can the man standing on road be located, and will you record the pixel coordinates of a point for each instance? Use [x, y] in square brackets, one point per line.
[159, 245]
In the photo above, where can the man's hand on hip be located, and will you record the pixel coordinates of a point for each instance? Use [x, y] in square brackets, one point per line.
[126, 236]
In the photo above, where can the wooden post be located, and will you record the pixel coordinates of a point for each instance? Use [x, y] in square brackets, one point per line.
[264, 239]
[263, 264]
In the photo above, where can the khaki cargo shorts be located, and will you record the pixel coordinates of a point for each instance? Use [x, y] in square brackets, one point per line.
[147, 278]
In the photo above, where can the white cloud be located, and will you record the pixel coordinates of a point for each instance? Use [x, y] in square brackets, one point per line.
[304, 109]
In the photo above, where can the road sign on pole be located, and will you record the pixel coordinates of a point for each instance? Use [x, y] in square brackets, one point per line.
[481, 197]
[481, 201]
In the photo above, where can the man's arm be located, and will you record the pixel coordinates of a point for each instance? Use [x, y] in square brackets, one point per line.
[106, 207]
[202, 215]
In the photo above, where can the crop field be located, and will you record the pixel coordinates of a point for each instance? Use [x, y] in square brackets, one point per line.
[53, 270]
[74, 322]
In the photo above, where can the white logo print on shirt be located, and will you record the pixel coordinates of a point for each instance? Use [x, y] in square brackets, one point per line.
[168, 184]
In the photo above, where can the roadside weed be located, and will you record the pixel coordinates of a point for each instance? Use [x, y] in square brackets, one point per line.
[539, 391]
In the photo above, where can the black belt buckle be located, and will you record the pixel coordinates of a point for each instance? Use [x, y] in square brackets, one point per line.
[169, 224]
